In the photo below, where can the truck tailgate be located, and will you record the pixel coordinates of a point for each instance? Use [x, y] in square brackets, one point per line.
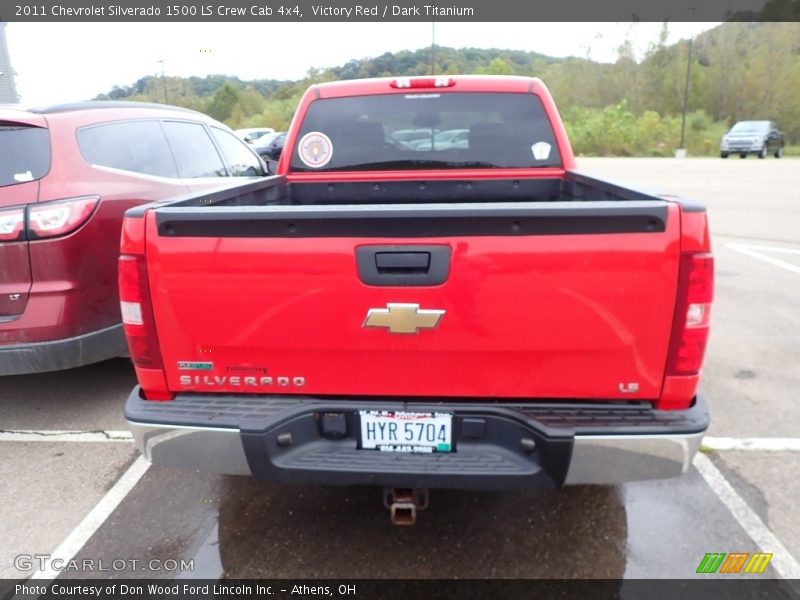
[569, 300]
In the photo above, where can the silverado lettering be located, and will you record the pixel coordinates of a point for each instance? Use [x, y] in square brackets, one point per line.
[468, 309]
[235, 380]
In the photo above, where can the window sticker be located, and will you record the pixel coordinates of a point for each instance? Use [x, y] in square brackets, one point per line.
[315, 149]
[26, 176]
[541, 150]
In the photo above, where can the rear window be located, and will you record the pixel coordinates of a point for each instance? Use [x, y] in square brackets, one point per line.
[137, 146]
[25, 154]
[426, 130]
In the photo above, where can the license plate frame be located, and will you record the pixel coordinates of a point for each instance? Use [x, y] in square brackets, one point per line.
[415, 432]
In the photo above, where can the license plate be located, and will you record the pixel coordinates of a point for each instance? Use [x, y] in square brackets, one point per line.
[392, 431]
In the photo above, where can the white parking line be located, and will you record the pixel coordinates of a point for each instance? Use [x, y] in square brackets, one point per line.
[760, 444]
[55, 435]
[776, 249]
[72, 544]
[782, 561]
[757, 251]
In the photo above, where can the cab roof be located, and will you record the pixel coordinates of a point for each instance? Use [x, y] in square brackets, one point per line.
[428, 84]
[105, 104]
[78, 114]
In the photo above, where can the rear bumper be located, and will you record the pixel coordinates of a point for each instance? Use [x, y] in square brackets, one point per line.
[39, 357]
[498, 446]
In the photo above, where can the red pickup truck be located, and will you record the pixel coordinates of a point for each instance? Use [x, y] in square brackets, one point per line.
[468, 312]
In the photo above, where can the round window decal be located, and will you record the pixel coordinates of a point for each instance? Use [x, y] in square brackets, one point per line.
[315, 149]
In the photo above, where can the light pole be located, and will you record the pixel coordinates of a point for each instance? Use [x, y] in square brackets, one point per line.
[681, 152]
[433, 47]
[163, 79]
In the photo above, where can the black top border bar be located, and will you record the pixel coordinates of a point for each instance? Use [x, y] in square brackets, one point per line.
[283, 11]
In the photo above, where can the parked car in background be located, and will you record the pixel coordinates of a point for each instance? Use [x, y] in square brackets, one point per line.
[409, 136]
[67, 175]
[752, 137]
[262, 142]
[252, 134]
[272, 149]
[444, 140]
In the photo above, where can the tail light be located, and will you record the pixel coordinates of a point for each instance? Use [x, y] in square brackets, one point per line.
[692, 311]
[137, 312]
[51, 219]
[12, 224]
[47, 219]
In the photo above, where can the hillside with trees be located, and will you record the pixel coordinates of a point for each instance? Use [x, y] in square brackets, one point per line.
[629, 107]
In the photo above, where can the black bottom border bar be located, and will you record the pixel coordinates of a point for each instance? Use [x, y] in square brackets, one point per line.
[728, 588]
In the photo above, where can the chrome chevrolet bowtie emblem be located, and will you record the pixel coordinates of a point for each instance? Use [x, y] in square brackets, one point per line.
[403, 318]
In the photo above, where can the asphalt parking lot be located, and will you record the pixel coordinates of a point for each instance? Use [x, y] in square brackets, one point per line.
[73, 486]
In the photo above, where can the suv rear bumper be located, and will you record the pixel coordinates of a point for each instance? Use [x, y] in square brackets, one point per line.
[39, 357]
[577, 443]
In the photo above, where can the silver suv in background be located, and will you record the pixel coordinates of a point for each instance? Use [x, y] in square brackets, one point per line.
[752, 137]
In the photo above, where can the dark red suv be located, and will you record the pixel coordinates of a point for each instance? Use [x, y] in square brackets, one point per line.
[67, 175]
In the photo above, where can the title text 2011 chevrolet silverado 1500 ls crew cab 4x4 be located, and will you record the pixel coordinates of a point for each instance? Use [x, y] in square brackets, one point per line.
[475, 315]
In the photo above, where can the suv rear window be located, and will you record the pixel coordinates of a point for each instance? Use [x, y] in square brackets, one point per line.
[426, 130]
[26, 154]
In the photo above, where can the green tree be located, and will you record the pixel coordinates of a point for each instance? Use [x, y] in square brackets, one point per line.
[223, 102]
[251, 102]
[497, 66]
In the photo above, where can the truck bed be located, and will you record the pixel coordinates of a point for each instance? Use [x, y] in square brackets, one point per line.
[278, 190]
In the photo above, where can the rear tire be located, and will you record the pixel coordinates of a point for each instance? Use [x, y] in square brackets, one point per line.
[723, 155]
[779, 153]
[763, 153]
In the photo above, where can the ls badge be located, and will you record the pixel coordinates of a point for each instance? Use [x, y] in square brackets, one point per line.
[403, 318]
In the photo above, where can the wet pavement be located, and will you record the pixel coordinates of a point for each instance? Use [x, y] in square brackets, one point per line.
[237, 527]
[241, 528]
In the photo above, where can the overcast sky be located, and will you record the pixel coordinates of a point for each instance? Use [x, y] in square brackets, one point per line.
[64, 62]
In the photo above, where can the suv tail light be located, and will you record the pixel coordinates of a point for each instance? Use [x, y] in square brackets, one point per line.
[690, 327]
[51, 219]
[12, 224]
[46, 219]
[137, 312]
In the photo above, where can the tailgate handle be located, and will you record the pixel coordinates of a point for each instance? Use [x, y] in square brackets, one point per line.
[402, 262]
[414, 265]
